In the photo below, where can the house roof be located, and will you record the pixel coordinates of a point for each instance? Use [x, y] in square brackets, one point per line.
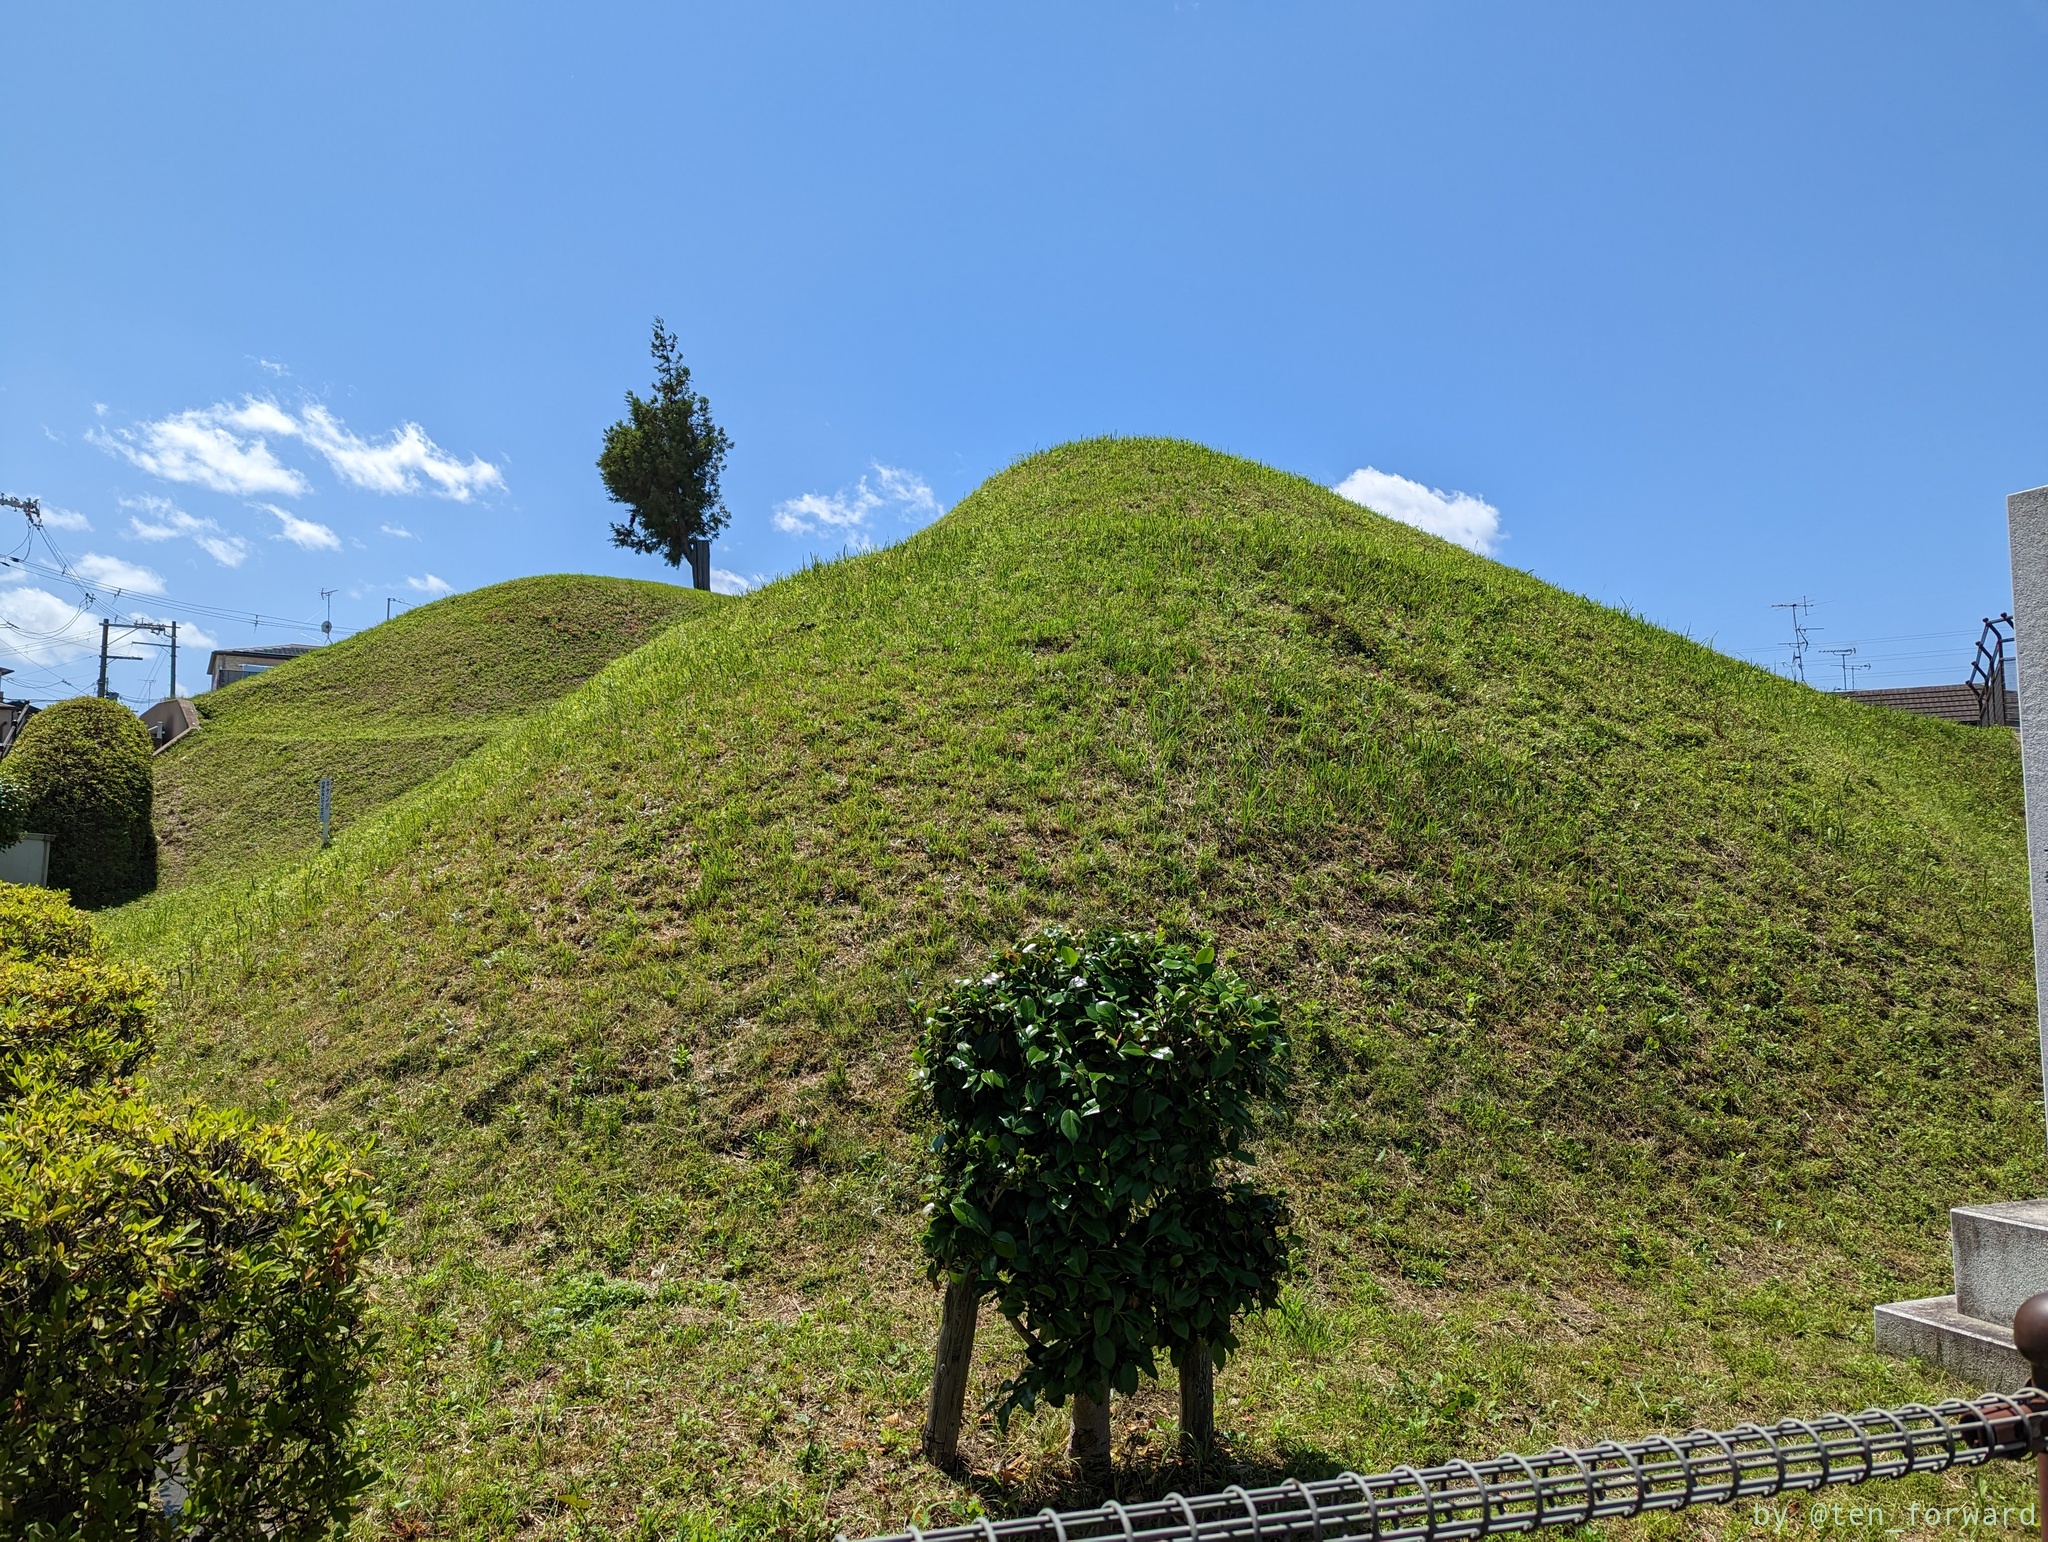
[1957, 703]
[276, 655]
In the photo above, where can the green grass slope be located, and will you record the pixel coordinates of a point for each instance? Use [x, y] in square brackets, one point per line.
[1650, 1009]
[384, 710]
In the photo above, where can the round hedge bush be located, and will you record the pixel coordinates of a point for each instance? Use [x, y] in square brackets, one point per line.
[82, 771]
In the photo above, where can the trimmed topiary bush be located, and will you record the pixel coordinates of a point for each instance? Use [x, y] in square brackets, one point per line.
[82, 776]
[1094, 1095]
[181, 1295]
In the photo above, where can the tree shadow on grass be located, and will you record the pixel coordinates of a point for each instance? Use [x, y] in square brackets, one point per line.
[1145, 1470]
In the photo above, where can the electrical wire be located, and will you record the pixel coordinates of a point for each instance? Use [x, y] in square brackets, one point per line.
[61, 568]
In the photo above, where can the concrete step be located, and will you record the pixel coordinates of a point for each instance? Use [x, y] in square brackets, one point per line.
[1935, 1330]
[2001, 1257]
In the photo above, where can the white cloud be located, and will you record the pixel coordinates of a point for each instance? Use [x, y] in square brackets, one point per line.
[302, 533]
[849, 512]
[201, 447]
[38, 628]
[908, 490]
[112, 573]
[166, 522]
[398, 530]
[228, 449]
[430, 585]
[274, 367]
[725, 581]
[66, 519]
[1470, 522]
[397, 464]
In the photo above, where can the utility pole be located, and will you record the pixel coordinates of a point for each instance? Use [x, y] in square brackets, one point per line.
[174, 661]
[327, 625]
[106, 627]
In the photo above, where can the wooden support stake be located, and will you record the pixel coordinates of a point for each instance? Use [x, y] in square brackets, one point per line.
[1088, 1444]
[949, 1373]
[1198, 1404]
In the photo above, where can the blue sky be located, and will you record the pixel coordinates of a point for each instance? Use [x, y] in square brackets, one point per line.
[1703, 307]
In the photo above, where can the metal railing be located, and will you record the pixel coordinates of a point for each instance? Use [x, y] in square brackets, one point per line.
[1990, 674]
[1461, 1501]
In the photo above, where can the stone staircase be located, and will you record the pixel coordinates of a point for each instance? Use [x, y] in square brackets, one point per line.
[2001, 1258]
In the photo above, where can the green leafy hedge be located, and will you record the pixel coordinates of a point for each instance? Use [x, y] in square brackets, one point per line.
[73, 1023]
[36, 924]
[81, 773]
[180, 1294]
[1093, 1093]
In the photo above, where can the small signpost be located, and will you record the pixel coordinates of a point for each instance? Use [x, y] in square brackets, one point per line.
[326, 810]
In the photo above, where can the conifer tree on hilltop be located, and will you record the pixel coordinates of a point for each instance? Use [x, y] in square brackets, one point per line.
[663, 461]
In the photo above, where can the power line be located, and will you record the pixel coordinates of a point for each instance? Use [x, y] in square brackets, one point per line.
[94, 592]
[64, 570]
[43, 677]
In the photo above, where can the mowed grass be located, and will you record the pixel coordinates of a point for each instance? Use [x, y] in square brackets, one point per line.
[383, 711]
[1651, 1010]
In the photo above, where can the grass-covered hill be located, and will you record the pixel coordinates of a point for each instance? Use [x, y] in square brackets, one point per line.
[1650, 1009]
[383, 711]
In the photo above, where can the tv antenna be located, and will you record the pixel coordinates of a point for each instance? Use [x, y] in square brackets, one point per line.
[1842, 656]
[1800, 609]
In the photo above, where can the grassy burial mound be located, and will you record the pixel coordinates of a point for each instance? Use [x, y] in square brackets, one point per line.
[1648, 1009]
[384, 710]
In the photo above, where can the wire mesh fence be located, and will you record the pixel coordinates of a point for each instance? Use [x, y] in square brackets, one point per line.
[1461, 1501]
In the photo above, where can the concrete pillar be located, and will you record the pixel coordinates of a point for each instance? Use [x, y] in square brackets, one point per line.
[2026, 517]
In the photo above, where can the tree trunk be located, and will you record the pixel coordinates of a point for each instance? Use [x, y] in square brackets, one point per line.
[1198, 1404]
[949, 1373]
[1088, 1445]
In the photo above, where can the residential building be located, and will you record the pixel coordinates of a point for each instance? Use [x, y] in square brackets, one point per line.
[227, 665]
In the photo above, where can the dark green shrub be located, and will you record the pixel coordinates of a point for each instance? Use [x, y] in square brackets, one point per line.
[189, 1284]
[1092, 1094]
[13, 813]
[81, 770]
